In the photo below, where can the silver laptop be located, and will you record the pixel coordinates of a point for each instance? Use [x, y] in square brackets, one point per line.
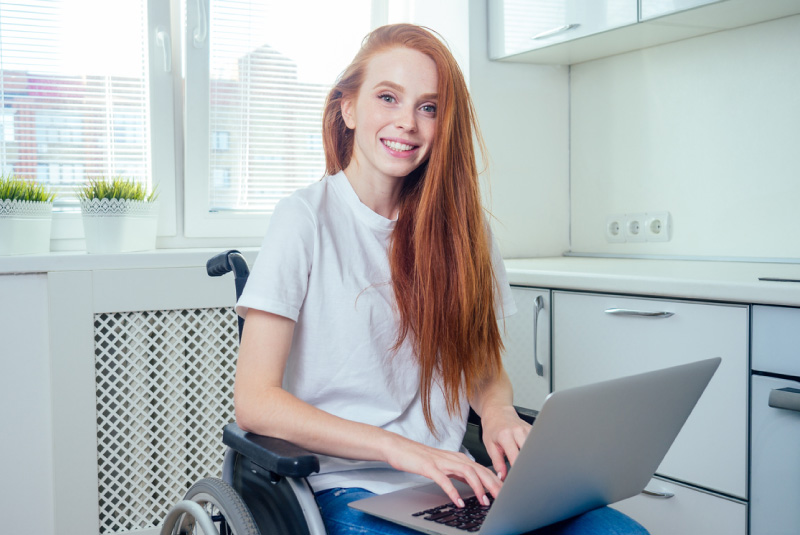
[590, 446]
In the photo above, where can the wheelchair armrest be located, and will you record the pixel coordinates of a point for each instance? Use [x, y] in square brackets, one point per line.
[529, 415]
[273, 454]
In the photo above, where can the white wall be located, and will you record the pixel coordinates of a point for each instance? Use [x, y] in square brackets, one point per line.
[707, 128]
[524, 116]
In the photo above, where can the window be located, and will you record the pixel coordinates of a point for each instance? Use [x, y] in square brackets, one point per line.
[255, 87]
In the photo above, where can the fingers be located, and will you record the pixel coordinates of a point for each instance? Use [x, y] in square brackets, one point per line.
[479, 478]
[506, 446]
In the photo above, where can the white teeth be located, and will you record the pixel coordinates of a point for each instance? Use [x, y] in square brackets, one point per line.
[394, 145]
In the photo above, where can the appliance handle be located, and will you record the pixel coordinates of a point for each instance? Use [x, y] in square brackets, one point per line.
[664, 495]
[555, 31]
[538, 305]
[785, 398]
[638, 313]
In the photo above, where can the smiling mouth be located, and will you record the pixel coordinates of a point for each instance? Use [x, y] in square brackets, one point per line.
[397, 146]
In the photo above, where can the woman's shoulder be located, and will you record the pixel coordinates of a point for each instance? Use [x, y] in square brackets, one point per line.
[310, 198]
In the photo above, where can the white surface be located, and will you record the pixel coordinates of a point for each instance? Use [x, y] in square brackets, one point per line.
[590, 345]
[775, 479]
[776, 340]
[523, 112]
[26, 451]
[688, 512]
[530, 390]
[735, 282]
[705, 128]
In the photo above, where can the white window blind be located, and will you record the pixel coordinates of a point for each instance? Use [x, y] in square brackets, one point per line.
[270, 65]
[74, 92]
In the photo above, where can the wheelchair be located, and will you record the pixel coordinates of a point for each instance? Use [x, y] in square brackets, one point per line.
[263, 490]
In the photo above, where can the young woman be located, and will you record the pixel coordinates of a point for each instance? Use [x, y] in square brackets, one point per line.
[372, 310]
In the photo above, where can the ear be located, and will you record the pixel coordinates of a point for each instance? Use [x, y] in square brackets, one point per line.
[348, 113]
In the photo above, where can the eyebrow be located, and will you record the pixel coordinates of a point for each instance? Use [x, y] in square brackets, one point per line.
[399, 88]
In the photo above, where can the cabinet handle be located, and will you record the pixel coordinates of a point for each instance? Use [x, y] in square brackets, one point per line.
[664, 495]
[538, 305]
[638, 313]
[785, 398]
[555, 31]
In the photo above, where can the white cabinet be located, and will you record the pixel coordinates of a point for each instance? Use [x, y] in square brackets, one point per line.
[599, 337]
[670, 508]
[574, 31]
[649, 9]
[517, 26]
[526, 336]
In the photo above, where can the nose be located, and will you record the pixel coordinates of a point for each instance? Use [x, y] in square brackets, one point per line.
[406, 118]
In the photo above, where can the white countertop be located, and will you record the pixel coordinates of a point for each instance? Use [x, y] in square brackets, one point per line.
[736, 282]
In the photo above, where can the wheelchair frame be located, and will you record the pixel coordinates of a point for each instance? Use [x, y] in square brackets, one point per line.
[263, 489]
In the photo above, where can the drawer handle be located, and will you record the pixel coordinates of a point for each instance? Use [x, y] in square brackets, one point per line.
[664, 495]
[555, 31]
[785, 398]
[538, 305]
[638, 313]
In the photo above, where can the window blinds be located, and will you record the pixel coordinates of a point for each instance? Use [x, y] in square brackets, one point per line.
[272, 64]
[74, 92]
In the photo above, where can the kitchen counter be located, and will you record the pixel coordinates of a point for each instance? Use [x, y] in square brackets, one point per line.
[736, 282]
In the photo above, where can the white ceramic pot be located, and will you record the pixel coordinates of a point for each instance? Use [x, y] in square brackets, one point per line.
[119, 226]
[25, 227]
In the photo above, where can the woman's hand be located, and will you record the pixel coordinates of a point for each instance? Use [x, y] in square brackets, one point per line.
[504, 432]
[440, 466]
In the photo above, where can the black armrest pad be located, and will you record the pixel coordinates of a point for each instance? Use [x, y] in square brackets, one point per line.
[529, 415]
[273, 454]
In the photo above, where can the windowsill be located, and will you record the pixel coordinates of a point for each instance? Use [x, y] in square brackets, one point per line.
[82, 261]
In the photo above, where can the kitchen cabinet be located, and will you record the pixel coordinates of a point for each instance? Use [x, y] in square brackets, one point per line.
[599, 337]
[669, 508]
[573, 31]
[526, 336]
[650, 9]
[517, 26]
[775, 421]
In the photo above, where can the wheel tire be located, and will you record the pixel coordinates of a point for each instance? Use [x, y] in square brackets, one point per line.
[219, 499]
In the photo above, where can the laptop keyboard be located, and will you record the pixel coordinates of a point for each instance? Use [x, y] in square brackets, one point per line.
[469, 518]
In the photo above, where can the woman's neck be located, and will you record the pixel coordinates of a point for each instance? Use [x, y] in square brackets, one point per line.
[381, 194]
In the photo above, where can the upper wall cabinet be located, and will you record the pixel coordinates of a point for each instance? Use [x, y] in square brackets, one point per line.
[574, 31]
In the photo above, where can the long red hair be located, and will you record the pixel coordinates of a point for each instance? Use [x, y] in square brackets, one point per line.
[439, 255]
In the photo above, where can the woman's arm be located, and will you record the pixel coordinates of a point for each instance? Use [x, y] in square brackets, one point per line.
[504, 431]
[264, 407]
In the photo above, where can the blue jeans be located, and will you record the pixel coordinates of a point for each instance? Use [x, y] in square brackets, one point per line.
[342, 520]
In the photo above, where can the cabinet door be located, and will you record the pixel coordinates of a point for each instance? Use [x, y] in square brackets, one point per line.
[775, 465]
[526, 336]
[591, 343]
[669, 509]
[651, 9]
[517, 26]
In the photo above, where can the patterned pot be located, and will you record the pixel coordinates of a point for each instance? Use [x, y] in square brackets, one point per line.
[119, 225]
[25, 227]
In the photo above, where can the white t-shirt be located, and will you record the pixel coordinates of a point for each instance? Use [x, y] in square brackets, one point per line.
[324, 264]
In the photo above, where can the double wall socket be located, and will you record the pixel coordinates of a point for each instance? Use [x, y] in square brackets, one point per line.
[650, 226]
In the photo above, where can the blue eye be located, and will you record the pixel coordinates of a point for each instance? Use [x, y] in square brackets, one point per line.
[429, 108]
[386, 98]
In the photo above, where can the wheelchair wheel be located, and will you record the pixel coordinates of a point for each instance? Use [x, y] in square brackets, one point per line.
[226, 509]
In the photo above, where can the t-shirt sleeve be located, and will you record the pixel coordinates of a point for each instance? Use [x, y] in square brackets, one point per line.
[279, 278]
[504, 300]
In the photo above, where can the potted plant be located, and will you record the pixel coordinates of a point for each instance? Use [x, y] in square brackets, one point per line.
[26, 210]
[119, 215]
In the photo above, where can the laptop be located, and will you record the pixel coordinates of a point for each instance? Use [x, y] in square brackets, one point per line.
[590, 446]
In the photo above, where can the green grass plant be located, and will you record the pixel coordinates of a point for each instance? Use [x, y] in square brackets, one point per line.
[20, 189]
[115, 188]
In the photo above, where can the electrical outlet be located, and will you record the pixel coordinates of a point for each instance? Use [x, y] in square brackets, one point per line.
[614, 231]
[658, 226]
[633, 227]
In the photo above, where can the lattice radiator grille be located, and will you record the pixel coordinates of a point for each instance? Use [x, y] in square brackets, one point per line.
[164, 384]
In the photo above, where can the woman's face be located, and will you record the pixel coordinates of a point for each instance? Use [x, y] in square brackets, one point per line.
[394, 114]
